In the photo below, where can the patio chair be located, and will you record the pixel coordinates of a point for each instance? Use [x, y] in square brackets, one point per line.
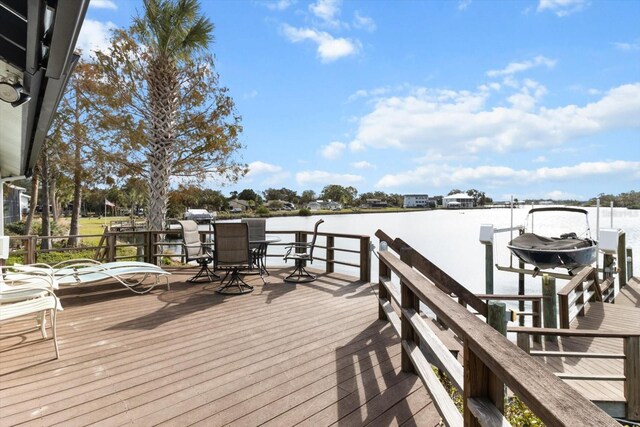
[233, 254]
[301, 253]
[198, 251]
[31, 295]
[257, 243]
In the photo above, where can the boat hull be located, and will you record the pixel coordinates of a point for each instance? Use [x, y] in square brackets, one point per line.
[547, 253]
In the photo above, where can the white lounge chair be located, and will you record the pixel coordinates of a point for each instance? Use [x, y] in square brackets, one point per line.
[82, 271]
[30, 294]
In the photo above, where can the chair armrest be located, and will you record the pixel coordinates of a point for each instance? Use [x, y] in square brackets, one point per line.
[294, 246]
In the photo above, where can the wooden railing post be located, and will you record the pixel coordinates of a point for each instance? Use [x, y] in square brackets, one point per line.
[365, 259]
[383, 272]
[408, 299]
[30, 250]
[329, 267]
[479, 382]
[549, 306]
[632, 377]
[521, 290]
[301, 237]
[629, 262]
[111, 247]
[524, 342]
[622, 265]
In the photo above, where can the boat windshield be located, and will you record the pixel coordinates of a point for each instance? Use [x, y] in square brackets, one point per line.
[558, 222]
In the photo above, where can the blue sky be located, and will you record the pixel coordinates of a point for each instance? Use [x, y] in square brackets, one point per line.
[535, 98]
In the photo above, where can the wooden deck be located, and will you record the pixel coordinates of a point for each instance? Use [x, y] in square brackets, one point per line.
[606, 393]
[313, 354]
[630, 294]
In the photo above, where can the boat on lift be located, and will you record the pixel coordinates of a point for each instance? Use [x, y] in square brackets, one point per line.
[568, 250]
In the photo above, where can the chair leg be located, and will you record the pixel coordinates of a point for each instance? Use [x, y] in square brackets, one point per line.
[52, 314]
[235, 281]
[300, 274]
[205, 273]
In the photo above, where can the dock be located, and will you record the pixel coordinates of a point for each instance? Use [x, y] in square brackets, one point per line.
[338, 350]
[284, 354]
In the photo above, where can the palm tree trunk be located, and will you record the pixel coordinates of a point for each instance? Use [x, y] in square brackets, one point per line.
[163, 96]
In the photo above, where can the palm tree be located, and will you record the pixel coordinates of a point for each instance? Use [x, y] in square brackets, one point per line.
[172, 31]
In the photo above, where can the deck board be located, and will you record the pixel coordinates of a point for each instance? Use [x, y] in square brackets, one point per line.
[284, 354]
[603, 317]
[629, 295]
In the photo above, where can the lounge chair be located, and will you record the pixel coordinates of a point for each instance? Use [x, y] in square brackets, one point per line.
[301, 253]
[32, 294]
[83, 271]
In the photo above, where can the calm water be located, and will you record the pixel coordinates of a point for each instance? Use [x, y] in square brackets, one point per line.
[449, 238]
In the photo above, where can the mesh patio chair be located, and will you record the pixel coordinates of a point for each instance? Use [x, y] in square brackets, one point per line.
[301, 253]
[257, 243]
[196, 250]
[233, 254]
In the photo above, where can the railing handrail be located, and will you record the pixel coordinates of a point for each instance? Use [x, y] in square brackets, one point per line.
[585, 333]
[571, 308]
[550, 398]
[435, 274]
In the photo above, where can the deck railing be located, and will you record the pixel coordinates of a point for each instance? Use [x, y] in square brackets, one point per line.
[582, 289]
[349, 250]
[630, 356]
[491, 361]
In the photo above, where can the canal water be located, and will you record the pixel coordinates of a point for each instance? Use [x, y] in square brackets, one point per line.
[450, 238]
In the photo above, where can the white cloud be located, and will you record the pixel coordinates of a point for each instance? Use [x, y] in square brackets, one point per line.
[628, 46]
[251, 94]
[562, 195]
[518, 67]
[430, 117]
[363, 22]
[363, 164]
[324, 178]
[438, 175]
[327, 10]
[333, 150]
[463, 4]
[540, 159]
[269, 174]
[103, 4]
[94, 35]
[260, 168]
[329, 48]
[280, 4]
[528, 97]
[562, 7]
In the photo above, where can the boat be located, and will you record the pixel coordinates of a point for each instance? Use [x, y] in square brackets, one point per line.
[569, 250]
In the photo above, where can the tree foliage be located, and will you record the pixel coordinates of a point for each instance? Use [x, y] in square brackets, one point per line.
[338, 193]
[163, 109]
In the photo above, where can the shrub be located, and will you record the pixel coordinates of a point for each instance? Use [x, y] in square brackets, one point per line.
[304, 212]
[262, 211]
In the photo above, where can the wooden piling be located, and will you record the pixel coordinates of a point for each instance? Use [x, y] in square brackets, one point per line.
[622, 265]
[521, 290]
[488, 268]
[497, 316]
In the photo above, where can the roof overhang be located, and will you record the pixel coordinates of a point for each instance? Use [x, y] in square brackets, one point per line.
[37, 40]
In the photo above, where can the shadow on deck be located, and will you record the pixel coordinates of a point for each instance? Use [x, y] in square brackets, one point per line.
[282, 355]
